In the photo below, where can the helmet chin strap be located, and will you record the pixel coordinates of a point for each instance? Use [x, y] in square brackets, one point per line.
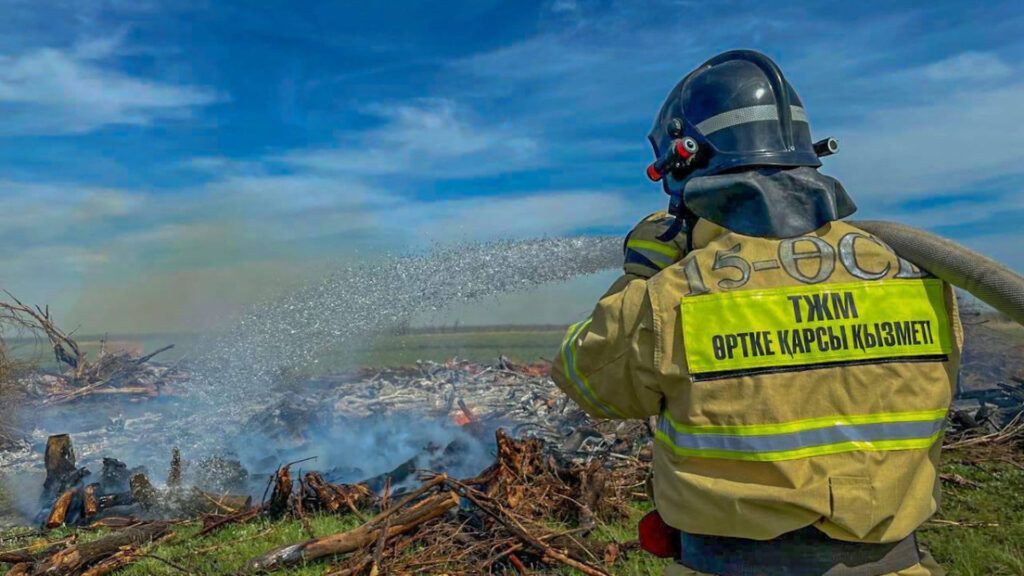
[684, 221]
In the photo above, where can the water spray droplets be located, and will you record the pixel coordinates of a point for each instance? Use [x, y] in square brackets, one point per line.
[345, 308]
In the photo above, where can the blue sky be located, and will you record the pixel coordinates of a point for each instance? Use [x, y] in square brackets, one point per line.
[198, 154]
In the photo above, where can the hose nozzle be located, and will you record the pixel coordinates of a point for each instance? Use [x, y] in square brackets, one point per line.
[680, 154]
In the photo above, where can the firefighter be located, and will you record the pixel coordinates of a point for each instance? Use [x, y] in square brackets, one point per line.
[800, 370]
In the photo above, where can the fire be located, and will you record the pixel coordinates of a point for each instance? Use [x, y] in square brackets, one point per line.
[460, 419]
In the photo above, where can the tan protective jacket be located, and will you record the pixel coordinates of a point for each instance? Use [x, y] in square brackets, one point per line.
[796, 382]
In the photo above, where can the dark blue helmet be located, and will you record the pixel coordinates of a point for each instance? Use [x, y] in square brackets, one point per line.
[732, 144]
[740, 111]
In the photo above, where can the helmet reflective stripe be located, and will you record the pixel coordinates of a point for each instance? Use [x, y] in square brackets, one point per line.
[742, 113]
[802, 439]
[745, 115]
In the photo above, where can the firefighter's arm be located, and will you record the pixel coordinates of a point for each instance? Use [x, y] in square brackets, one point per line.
[600, 357]
[606, 362]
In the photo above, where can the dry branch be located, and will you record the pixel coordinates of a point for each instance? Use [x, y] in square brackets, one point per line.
[125, 556]
[212, 523]
[355, 539]
[547, 552]
[37, 319]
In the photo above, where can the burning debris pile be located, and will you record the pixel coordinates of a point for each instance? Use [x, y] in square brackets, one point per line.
[510, 392]
[556, 465]
[547, 486]
[503, 518]
[992, 409]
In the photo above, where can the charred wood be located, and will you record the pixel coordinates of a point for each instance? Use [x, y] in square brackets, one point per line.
[143, 492]
[61, 470]
[90, 502]
[59, 513]
[80, 557]
[280, 499]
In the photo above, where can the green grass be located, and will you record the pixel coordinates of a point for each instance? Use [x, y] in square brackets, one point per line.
[998, 498]
[236, 545]
[486, 346]
[478, 345]
[974, 549]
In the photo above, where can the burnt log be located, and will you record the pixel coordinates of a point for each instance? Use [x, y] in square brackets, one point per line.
[326, 497]
[143, 492]
[334, 497]
[174, 474]
[400, 474]
[112, 500]
[59, 513]
[114, 476]
[80, 557]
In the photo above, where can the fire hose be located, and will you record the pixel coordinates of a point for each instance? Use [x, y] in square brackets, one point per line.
[984, 278]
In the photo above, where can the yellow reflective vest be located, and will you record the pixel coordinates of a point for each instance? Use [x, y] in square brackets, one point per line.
[796, 382]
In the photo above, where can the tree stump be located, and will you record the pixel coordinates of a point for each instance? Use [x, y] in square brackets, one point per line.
[61, 471]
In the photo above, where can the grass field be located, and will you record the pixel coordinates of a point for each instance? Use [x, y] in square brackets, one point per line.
[479, 345]
[979, 532]
[482, 346]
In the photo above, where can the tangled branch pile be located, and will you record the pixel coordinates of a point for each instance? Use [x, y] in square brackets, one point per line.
[111, 372]
[501, 518]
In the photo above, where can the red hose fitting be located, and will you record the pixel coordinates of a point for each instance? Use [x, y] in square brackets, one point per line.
[681, 150]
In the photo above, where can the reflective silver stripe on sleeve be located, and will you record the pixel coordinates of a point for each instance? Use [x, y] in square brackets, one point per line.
[569, 357]
[745, 115]
[867, 433]
[659, 260]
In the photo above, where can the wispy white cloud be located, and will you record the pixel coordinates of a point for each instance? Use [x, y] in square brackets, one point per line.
[964, 138]
[37, 213]
[968, 66]
[518, 216]
[47, 90]
[426, 139]
[172, 255]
